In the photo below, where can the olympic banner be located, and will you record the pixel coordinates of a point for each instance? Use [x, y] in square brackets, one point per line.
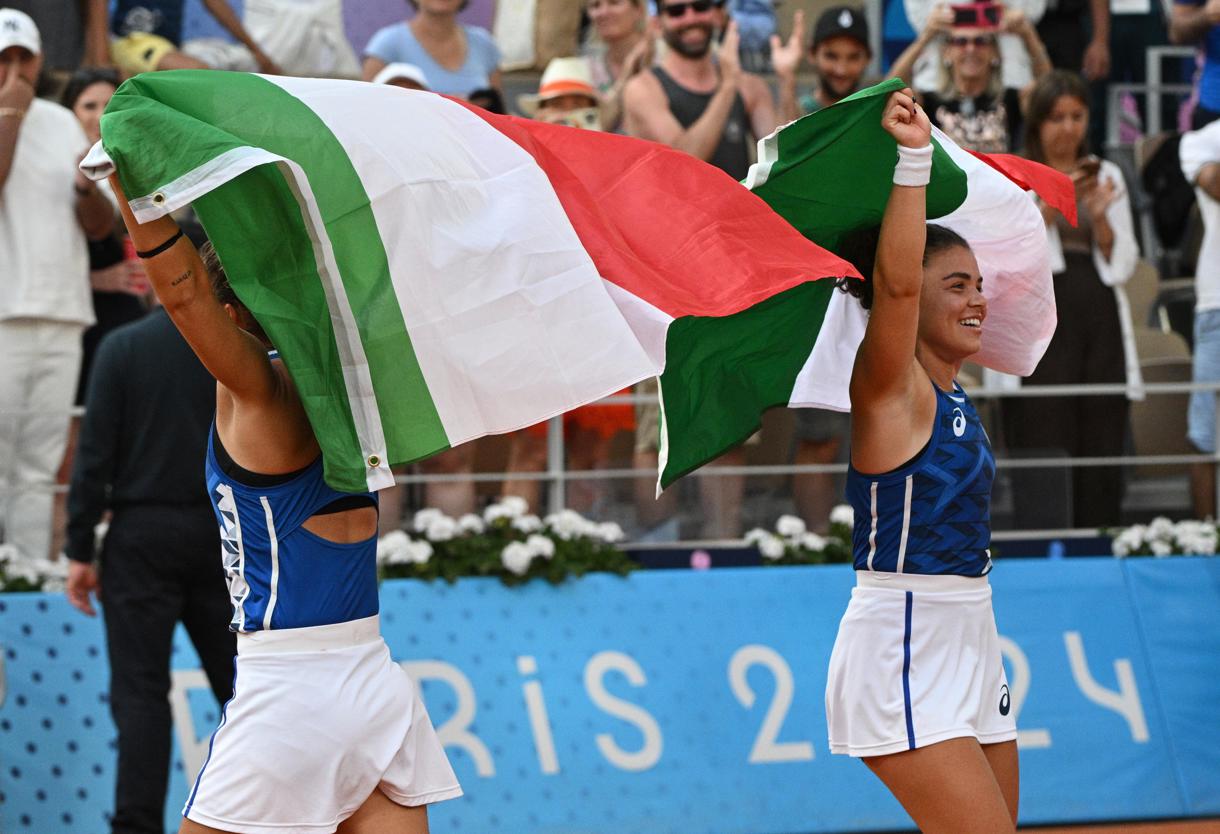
[685, 701]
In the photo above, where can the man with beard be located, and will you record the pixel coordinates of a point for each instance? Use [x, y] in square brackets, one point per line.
[696, 103]
[840, 53]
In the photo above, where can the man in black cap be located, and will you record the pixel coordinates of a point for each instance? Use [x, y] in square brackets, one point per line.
[840, 53]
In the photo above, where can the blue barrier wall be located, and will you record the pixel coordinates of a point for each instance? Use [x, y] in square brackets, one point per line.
[681, 701]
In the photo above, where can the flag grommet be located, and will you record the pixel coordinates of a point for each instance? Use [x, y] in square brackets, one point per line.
[158, 198]
[374, 461]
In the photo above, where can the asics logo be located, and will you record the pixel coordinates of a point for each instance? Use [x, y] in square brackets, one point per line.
[959, 422]
[1005, 702]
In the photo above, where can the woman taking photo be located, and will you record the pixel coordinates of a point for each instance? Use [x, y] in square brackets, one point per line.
[456, 59]
[1091, 261]
[324, 731]
[972, 105]
[916, 686]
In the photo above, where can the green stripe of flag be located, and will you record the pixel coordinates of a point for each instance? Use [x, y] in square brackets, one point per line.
[281, 280]
[722, 372]
[830, 172]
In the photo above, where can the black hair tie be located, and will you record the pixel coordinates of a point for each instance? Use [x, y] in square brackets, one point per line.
[152, 253]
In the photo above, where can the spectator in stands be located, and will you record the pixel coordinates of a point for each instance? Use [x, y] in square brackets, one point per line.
[148, 37]
[1016, 61]
[458, 59]
[490, 99]
[1198, 22]
[1094, 342]
[708, 108]
[73, 33]
[624, 46]
[711, 110]
[48, 210]
[407, 76]
[303, 37]
[145, 433]
[972, 104]
[1200, 155]
[119, 283]
[839, 51]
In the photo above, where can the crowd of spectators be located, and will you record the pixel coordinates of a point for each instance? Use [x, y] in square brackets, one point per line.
[708, 77]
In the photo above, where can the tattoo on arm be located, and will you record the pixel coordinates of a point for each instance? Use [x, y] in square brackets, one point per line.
[183, 277]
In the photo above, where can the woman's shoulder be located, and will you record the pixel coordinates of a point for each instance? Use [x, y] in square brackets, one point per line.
[481, 43]
[392, 37]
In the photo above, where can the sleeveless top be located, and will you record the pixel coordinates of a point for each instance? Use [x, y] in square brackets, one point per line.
[280, 575]
[732, 155]
[932, 515]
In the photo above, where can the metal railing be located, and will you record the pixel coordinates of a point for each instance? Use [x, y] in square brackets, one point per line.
[556, 474]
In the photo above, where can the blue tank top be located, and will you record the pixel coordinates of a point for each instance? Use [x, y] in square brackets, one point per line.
[933, 515]
[280, 575]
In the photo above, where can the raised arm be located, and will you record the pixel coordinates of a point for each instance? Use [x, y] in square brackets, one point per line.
[1188, 24]
[939, 21]
[237, 359]
[885, 364]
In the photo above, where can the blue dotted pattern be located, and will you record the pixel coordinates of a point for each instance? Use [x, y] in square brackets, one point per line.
[681, 628]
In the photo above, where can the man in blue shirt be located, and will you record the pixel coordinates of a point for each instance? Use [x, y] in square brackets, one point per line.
[1196, 21]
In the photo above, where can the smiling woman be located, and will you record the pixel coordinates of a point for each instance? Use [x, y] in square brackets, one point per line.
[920, 621]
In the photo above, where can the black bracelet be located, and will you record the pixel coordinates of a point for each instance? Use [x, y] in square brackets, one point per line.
[152, 253]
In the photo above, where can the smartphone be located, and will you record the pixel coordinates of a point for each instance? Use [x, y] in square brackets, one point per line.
[977, 14]
[1090, 166]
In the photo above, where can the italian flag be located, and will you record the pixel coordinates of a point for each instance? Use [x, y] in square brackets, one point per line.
[431, 273]
[830, 173]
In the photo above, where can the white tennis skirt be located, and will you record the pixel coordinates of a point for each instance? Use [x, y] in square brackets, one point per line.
[320, 718]
[916, 661]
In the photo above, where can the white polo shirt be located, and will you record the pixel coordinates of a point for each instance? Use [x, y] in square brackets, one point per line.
[44, 257]
[1198, 148]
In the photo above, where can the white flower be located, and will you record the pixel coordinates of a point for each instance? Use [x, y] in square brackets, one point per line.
[515, 504]
[541, 546]
[1119, 547]
[419, 552]
[527, 523]
[771, 548]
[790, 527]
[494, 512]
[471, 523]
[1161, 529]
[23, 570]
[758, 535]
[1160, 548]
[423, 518]
[441, 528]
[516, 558]
[8, 554]
[53, 586]
[569, 524]
[814, 542]
[843, 514]
[609, 532]
[392, 548]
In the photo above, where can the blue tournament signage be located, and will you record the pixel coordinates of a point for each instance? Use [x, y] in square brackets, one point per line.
[680, 701]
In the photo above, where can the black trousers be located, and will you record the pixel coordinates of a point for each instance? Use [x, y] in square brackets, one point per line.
[160, 566]
[1087, 347]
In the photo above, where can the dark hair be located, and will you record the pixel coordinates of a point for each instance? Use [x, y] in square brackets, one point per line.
[1048, 90]
[859, 248]
[489, 99]
[223, 291]
[461, 8]
[83, 79]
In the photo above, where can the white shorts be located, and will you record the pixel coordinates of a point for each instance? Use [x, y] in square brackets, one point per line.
[916, 661]
[320, 718]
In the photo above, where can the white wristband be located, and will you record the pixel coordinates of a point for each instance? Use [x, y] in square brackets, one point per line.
[914, 166]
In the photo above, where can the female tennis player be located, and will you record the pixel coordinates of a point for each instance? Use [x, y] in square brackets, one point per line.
[916, 686]
[324, 731]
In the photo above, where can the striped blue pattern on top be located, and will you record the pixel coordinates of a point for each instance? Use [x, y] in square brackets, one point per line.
[932, 516]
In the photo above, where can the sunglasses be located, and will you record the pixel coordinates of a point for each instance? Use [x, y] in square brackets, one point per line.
[676, 10]
[979, 41]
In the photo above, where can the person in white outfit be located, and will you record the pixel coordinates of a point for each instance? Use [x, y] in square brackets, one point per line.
[47, 210]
